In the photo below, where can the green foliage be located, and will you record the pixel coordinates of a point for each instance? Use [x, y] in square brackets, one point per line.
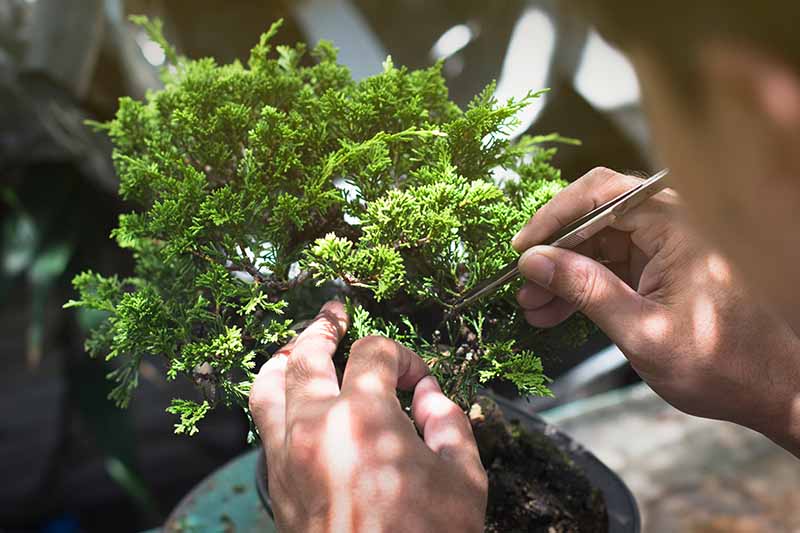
[260, 188]
[522, 368]
[190, 414]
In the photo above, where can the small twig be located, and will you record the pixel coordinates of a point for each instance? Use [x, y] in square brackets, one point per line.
[269, 284]
[232, 267]
[462, 370]
[248, 266]
[204, 256]
[287, 285]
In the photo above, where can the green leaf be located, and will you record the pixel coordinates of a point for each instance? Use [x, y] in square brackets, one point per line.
[191, 413]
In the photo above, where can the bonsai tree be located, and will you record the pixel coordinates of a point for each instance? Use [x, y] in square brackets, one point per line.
[261, 189]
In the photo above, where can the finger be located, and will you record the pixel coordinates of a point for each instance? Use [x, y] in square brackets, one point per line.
[614, 249]
[268, 399]
[310, 374]
[589, 287]
[268, 404]
[533, 296]
[663, 205]
[543, 309]
[608, 245]
[552, 314]
[596, 187]
[380, 366]
[444, 426]
[652, 222]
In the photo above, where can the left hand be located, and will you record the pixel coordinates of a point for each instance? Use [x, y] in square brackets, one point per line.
[350, 459]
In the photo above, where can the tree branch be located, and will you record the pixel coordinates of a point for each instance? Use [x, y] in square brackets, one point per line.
[282, 286]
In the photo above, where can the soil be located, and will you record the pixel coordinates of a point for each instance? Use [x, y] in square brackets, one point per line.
[533, 486]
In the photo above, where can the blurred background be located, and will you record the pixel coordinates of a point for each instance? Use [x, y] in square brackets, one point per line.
[71, 461]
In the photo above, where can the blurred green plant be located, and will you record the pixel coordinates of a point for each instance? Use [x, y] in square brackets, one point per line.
[29, 250]
[47, 231]
[254, 182]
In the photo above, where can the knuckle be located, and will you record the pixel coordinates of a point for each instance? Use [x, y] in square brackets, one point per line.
[450, 410]
[443, 411]
[303, 366]
[302, 443]
[259, 394]
[298, 365]
[374, 345]
[607, 182]
[257, 398]
[273, 364]
[601, 175]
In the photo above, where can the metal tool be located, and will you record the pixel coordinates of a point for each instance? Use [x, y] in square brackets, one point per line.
[572, 234]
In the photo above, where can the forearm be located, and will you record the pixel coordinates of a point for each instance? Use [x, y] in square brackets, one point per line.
[775, 393]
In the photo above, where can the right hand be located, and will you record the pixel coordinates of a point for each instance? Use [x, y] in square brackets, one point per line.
[675, 308]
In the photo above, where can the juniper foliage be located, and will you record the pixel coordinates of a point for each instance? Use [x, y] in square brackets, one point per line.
[260, 187]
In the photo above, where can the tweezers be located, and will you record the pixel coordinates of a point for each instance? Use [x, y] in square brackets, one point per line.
[571, 235]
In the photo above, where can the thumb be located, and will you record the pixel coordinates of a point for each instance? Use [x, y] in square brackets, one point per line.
[587, 286]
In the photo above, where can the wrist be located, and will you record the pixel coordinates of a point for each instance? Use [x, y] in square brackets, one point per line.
[781, 423]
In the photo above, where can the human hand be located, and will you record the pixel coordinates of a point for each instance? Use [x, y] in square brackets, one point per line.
[675, 308]
[350, 459]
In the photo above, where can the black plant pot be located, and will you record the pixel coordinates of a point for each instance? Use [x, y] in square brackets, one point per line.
[623, 512]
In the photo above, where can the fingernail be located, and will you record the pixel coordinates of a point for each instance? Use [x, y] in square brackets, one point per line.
[515, 240]
[537, 267]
